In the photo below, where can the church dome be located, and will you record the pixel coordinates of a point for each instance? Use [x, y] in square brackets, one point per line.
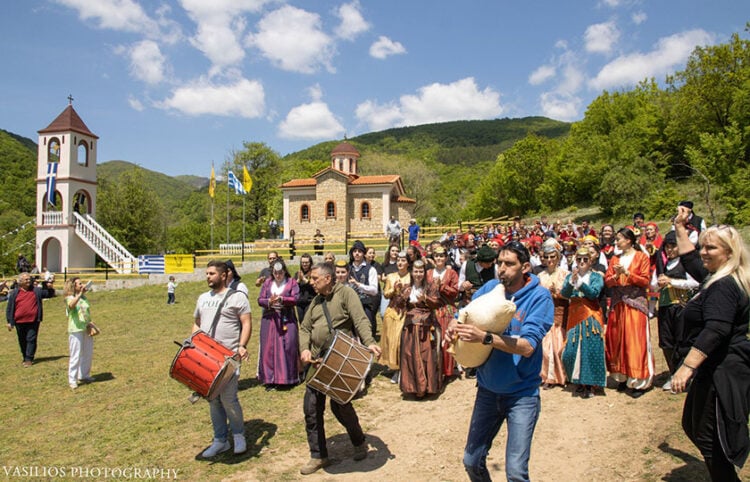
[344, 150]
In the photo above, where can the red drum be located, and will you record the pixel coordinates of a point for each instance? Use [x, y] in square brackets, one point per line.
[204, 365]
[342, 373]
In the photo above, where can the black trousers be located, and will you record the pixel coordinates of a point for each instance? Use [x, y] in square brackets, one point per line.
[314, 406]
[699, 424]
[27, 334]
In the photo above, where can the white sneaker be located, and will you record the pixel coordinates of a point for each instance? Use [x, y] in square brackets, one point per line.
[73, 386]
[240, 446]
[215, 449]
[667, 387]
[394, 378]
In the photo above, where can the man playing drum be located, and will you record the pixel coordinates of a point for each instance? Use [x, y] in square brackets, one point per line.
[233, 328]
[346, 314]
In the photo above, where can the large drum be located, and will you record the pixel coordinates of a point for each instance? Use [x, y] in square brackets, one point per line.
[341, 374]
[204, 365]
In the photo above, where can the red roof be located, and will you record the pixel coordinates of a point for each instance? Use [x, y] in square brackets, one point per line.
[345, 148]
[300, 183]
[404, 199]
[385, 179]
[68, 120]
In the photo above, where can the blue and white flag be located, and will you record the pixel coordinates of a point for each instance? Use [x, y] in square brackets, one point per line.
[51, 180]
[151, 263]
[235, 183]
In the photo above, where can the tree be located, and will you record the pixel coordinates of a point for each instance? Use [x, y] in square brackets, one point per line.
[132, 213]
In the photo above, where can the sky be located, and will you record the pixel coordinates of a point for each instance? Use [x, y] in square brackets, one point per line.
[176, 85]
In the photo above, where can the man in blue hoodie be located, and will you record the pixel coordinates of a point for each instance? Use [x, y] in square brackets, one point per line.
[508, 382]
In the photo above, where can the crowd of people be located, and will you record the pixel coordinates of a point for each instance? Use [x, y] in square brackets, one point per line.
[584, 300]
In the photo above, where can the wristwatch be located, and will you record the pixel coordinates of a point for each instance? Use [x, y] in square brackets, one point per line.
[487, 340]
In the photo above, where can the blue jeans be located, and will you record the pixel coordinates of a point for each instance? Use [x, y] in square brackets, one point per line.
[227, 407]
[490, 411]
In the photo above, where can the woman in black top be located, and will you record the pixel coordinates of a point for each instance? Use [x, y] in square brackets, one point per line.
[715, 348]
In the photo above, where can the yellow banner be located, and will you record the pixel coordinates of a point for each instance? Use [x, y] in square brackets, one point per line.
[178, 263]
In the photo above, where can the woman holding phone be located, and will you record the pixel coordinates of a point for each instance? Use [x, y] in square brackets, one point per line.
[80, 342]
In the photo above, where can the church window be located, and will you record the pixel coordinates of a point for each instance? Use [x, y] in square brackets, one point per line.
[304, 212]
[365, 210]
[331, 210]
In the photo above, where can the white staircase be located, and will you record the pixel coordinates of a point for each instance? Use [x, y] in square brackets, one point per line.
[105, 245]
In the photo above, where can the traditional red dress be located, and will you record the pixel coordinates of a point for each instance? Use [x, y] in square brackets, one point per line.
[627, 340]
[447, 284]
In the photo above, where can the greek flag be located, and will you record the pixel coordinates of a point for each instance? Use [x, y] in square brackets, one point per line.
[51, 179]
[151, 263]
[235, 183]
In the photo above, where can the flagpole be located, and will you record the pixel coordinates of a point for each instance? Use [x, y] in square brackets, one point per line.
[227, 208]
[211, 188]
[243, 228]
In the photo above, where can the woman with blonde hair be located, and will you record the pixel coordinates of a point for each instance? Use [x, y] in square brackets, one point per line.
[80, 343]
[715, 369]
[552, 277]
[393, 321]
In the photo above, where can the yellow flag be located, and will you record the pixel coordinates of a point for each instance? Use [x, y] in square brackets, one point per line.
[212, 183]
[247, 181]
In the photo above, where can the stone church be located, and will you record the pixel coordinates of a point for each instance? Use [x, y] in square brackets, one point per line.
[338, 201]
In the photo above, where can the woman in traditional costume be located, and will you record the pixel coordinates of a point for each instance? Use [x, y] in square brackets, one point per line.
[279, 335]
[583, 356]
[553, 343]
[421, 340]
[393, 320]
[446, 280]
[628, 344]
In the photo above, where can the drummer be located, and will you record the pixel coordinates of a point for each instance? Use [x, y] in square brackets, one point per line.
[233, 328]
[347, 315]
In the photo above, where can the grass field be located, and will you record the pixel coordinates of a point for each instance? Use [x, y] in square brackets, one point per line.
[134, 417]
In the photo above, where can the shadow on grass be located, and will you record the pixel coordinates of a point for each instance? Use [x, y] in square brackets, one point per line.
[258, 433]
[341, 451]
[694, 469]
[246, 383]
[45, 359]
[103, 377]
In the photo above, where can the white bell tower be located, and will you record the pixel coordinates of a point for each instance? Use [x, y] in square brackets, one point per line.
[69, 144]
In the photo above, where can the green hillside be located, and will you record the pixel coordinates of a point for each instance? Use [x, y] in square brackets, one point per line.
[173, 191]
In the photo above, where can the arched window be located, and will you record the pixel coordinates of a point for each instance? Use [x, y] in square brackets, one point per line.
[304, 212]
[53, 151]
[365, 210]
[331, 210]
[83, 153]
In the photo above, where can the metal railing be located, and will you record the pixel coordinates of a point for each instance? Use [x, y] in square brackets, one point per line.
[105, 245]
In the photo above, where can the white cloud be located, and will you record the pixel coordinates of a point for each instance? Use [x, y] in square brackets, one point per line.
[352, 21]
[560, 106]
[542, 74]
[639, 17]
[220, 28]
[243, 98]
[601, 37]
[124, 15]
[147, 62]
[383, 47]
[460, 100]
[135, 104]
[311, 121]
[292, 39]
[668, 53]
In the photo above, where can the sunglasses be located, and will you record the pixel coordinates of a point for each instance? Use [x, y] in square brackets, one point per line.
[582, 260]
[550, 257]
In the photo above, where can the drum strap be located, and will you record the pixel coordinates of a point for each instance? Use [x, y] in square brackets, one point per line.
[212, 331]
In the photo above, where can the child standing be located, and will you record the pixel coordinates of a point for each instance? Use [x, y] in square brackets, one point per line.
[170, 290]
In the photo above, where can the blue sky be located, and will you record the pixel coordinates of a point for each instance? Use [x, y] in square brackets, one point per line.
[175, 85]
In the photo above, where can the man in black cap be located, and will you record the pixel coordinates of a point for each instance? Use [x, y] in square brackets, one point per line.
[476, 272]
[695, 223]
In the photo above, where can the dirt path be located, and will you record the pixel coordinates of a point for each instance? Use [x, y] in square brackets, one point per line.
[609, 437]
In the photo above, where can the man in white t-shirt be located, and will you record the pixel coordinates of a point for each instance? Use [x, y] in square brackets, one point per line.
[233, 329]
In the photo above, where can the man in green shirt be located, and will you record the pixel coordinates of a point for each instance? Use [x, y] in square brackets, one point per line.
[347, 315]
